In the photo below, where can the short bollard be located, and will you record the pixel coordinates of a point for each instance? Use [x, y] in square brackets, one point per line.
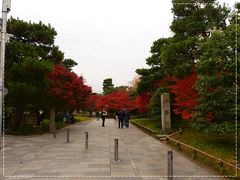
[86, 140]
[170, 165]
[68, 134]
[54, 131]
[116, 149]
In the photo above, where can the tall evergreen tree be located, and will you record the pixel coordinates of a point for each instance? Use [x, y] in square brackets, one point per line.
[30, 55]
[218, 73]
[108, 86]
[192, 23]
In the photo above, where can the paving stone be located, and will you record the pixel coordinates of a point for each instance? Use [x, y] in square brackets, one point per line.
[140, 156]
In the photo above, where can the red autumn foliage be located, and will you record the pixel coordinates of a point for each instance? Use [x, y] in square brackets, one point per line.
[142, 102]
[164, 82]
[91, 101]
[186, 95]
[115, 101]
[67, 89]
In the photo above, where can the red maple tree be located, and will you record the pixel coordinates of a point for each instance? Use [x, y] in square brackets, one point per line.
[115, 101]
[67, 89]
[185, 95]
[91, 101]
[142, 102]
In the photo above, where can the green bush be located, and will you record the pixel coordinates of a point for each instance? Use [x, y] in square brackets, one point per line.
[214, 128]
[59, 124]
[81, 117]
[59, 117]
[28, 129]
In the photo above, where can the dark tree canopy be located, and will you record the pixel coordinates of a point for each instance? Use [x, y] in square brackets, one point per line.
[203, 43]
[217, 82]
[197, 17]
[177, 56]
[69, 63]
[30, 57]
[35, 40]
[108, 86]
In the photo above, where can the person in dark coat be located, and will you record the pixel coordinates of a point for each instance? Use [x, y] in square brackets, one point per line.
[126, 117]
[121, 115]
[39, 117]
[103, 114]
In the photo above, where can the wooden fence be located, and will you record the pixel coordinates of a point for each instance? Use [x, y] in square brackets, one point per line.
[195, 151]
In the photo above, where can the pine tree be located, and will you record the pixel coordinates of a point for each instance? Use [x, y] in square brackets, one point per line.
[108, 86]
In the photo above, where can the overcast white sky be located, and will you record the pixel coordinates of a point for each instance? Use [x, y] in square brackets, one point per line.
[108, 38]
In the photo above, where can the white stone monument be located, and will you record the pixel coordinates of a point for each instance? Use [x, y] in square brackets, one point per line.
[165, 112]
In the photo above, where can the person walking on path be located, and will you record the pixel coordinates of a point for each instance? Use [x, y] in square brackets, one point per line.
[121, 115]
[126, 117]
[103, 114]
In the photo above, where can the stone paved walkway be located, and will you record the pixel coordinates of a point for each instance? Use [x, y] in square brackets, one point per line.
[141, 156]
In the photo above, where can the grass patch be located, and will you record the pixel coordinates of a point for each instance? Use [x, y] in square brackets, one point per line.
[59, 124]
[81, 117]
[151, 124]
[219, 146]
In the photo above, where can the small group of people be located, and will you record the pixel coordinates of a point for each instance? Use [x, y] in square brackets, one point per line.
[123, 117]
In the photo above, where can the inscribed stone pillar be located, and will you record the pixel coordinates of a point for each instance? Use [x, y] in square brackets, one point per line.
[52, 120]
[165, 112]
